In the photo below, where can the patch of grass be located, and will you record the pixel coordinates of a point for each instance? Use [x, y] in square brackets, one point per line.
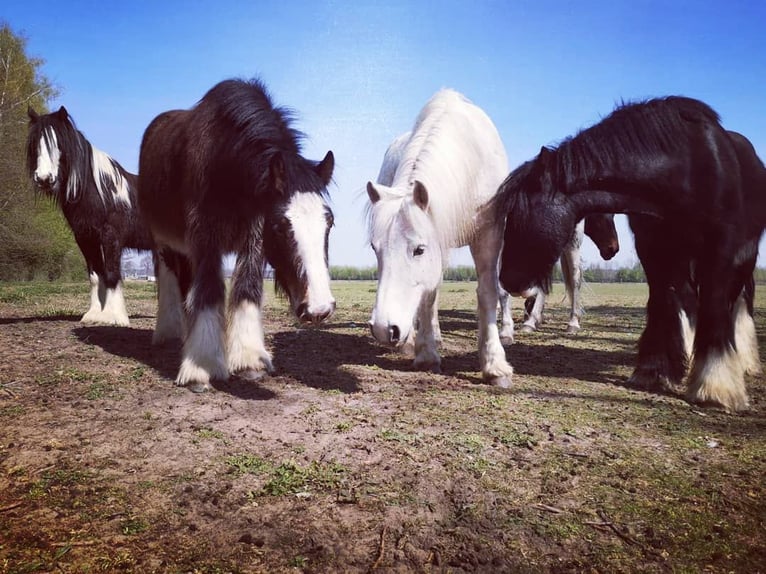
[11, 411]
[519, 439]
[98, 390]
[133, 525]
[288, 477]
[208, 434]
[343, 426]
[247, 464]
[393, 435]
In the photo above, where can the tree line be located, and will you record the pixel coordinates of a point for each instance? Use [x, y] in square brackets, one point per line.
[35, 240]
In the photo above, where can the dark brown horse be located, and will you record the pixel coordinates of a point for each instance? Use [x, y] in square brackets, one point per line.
[227, 176]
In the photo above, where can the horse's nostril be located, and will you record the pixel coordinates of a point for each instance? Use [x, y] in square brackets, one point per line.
[302, 312]
[393, 334]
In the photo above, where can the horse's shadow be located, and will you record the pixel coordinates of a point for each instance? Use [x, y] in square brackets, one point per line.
[40, 319]
[315, 357]
[133, 343]
[320, 357]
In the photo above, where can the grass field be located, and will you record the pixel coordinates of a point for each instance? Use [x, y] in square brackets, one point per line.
[347, 460]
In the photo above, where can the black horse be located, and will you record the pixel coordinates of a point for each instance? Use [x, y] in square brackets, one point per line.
[696, 199]
[98, 199]
[600, 228]
[227, 176]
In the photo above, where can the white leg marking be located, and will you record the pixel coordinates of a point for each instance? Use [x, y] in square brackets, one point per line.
[426, 352]
[94, 312]
[720, 380]
[171, 317]
[506, 317]
[114, 308]
[746, 339]
[107, 306]
[535, 317]
[687, 333]
[204, 357]
[244, 340]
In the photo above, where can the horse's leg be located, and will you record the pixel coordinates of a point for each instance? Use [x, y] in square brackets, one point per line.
[94, 260]
[204, 358]
[114, 311]
[717, 373]
[506, 316]
[533, 312]
[245, 341]
[745, 336]
[426, 354]
[170, 322]
[662, 356]
[572, 271]
[486, 252]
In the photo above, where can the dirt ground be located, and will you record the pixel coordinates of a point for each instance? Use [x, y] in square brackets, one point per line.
[347, 460]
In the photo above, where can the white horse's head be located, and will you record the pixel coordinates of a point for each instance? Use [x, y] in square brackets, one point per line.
[410, 259]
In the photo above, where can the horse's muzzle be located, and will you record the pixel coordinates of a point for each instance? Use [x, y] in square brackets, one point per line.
[316, 315]
[386, 334]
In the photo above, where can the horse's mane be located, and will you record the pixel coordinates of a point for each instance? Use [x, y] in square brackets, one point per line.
[447, 155]
[261, 129]
[647, 128]
[84, 162]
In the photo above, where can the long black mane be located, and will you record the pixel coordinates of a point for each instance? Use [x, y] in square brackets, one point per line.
[643, 131]
[650, 128]
[256, 130]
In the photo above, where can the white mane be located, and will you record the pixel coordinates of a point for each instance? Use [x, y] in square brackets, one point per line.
[105, 170]
[455, 151]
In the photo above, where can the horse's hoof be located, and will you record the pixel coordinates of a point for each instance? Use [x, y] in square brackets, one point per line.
[251, 374]
[651, 382]
[528, 329]
[572, 329]
[199, 387]
[427, 366]
[506, 339]
[501, 382]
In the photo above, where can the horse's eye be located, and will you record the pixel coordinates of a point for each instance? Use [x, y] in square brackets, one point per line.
[419, 250]
[330, 220]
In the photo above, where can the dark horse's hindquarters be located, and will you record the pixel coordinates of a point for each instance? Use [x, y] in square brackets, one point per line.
[97, 197]
[696, 199]
[227, 176]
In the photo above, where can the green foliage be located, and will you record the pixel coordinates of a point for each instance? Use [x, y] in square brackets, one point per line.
[35, 240]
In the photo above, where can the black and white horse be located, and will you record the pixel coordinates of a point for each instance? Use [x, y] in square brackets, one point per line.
[98, 199]
[600, 228]
[227, 176]
[696, 199]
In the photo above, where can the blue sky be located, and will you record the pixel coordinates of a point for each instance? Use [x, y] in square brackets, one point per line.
[357, 72]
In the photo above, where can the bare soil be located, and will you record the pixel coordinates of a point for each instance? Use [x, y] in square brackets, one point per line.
[347, 460]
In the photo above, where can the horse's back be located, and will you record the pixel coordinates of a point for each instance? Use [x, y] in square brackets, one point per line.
[462, 137]
[161, 173]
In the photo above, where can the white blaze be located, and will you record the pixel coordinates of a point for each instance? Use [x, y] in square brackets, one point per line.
[306, 212]
[49, 156]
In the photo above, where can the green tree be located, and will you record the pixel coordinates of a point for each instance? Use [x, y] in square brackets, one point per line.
[34, 237]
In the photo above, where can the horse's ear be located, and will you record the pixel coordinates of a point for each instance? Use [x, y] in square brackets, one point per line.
[325, 168]
[33, 115]
[277, 173]
[373, 193]
[63, 114]
[420, 194]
